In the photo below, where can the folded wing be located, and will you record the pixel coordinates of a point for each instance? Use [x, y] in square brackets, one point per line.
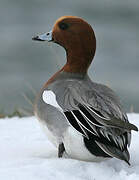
[110, 133]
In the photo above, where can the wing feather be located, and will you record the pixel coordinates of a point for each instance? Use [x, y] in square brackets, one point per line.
[91, 124]
[85, 123]
[83, 127]
[70, 118]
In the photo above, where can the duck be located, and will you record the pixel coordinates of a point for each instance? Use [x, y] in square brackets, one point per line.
[83, 119]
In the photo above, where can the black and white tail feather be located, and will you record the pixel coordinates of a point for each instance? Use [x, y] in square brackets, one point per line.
[112, 135]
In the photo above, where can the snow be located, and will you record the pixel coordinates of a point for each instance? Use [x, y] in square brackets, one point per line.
[25, 153]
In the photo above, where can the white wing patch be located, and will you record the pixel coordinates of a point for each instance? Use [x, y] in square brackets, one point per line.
[49, 97]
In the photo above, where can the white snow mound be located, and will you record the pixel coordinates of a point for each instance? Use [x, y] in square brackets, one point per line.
[26, 154]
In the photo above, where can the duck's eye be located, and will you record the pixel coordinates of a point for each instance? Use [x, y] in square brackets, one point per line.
[63, 26]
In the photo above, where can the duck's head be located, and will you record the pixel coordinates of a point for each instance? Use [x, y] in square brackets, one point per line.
[78, 39]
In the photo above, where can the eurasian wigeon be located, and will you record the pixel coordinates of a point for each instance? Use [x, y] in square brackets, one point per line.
[82, 118]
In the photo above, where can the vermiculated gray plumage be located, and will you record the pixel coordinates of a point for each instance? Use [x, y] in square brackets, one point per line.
[99, 111]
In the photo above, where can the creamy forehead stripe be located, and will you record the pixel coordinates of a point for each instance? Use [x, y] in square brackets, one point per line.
[50, 98]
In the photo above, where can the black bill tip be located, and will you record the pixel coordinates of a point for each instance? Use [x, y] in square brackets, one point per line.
[36, 38]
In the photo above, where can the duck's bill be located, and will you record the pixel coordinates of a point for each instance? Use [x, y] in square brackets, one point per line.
[44, 37]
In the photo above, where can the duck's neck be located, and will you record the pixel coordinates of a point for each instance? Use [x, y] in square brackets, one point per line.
[77, 63]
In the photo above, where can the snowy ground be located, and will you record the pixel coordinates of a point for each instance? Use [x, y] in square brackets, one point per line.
[26, 154]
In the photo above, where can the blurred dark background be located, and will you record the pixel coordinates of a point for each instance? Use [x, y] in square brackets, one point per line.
[25, 64]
